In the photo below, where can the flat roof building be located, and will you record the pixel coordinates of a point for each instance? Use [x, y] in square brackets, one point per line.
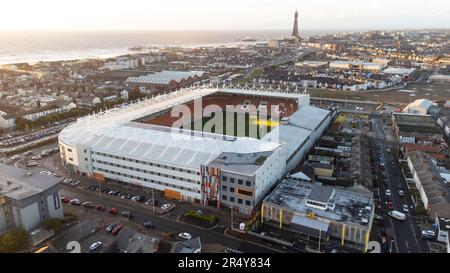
[27, 198]
[319, 210]
[412, 128]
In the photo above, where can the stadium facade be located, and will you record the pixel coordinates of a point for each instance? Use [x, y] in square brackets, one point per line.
[116, 145]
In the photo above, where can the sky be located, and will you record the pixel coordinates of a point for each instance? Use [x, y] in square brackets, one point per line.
[221, 15]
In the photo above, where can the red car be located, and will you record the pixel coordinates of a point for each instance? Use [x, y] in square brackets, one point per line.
[113, 211]
[117, 229]
[65, 199]
[390, 206]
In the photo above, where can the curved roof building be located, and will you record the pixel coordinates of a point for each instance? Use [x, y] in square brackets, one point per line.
[116, 146]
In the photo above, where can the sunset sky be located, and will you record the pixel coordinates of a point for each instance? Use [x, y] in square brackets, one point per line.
[229, 14]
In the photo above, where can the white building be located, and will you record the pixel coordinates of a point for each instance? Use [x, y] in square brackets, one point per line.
[111, 146]
[124, 94]
[418, 107]
[402, 71]
[358, 65]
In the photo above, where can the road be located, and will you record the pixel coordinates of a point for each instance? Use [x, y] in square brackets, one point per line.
[403, 232]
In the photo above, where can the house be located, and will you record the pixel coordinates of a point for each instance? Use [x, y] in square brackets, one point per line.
[434, 192]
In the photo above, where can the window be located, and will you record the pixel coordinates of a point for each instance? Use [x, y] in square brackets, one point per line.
[231, 199]
[239, 200]
[224, 188]
[224, 178]
[69, 150]
[231, 180]
[70, 159]
[224, 197]
[231, 189]
[240, 182]
[248, 203]
[244, 192]
[248, 183]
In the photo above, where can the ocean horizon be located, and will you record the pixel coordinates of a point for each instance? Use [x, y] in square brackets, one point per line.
[35, 46]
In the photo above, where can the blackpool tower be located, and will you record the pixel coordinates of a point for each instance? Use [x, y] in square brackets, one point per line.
[295, 30]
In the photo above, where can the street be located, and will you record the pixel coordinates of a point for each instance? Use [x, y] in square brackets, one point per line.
[403, 232]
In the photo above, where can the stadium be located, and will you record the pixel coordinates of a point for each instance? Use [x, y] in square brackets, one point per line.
[153, 144]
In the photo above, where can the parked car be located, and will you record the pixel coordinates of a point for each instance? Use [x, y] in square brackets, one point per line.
[117, 229]
[100, 207]
[93, 187]
[165, 206]
[401, 193]
[67, 181]
[36, 157]
[388, 193]
[148, 224]
[185, 236]
[127, 214]
[149, 202]
[390, 205]
[65, 199]
[88, 205]
[95, 246]
[32, 163]
[140, 198]
[405, 208]
[428, 234]
[75, 182]
[75, 202]
[113, 211]
[110, 227]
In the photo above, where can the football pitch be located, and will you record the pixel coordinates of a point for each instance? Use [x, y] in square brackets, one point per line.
[235, 124]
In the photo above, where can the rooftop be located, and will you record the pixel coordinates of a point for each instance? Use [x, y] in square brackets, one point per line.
[18, 184]
[399, 70]
[349, 206]
[165, 77]
[243, 163]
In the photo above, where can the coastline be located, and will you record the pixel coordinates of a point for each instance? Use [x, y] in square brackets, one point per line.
[95, 53]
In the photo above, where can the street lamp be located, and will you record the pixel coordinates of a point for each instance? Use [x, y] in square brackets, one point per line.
[153, 201]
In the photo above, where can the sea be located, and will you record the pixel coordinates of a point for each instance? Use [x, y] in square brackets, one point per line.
[34, 46]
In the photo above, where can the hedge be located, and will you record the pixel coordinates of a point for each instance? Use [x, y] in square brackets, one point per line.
[203, 217]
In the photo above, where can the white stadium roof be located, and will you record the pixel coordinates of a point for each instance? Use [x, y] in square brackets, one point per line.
[165, 77]
[177, 147]
[315, 116]
[114, 131]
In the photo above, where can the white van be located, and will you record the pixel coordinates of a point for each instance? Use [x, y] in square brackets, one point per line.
[397, 215]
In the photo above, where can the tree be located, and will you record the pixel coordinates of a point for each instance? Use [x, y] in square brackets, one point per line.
[15, 240]
[22, 123]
